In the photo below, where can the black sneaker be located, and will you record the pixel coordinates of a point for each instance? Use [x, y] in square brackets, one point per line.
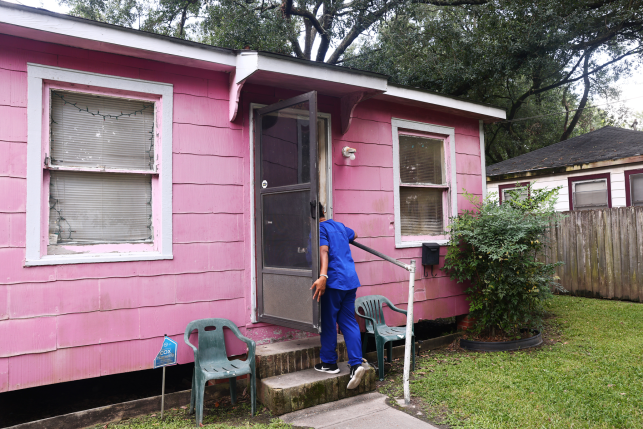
[330, 368]
[357, 373]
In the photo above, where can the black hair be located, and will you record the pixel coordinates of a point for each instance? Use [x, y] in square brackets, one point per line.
[321, 211]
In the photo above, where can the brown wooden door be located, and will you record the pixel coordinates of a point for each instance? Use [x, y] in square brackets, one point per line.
[286, 220]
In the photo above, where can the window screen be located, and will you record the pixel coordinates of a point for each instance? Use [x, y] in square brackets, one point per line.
[509, 193]
[90, 207]
[95, 131]
[421, 160]
[421, 211]
[590, 195]
[636, 189]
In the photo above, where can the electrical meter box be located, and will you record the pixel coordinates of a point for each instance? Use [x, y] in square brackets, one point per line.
[430, 253]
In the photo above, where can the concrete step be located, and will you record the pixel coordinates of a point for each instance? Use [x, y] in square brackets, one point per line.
[303, 389]
[291, 356]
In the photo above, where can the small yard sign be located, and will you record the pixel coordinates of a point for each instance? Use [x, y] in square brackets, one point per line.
[167, 355]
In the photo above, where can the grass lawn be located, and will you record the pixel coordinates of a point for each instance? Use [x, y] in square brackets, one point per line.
[589, 374]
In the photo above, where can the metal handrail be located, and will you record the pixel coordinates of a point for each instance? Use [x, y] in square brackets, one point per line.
[381, 255]
[409, 315]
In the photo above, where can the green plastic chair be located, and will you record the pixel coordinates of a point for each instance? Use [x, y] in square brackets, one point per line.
[373, 312]
[211, 362]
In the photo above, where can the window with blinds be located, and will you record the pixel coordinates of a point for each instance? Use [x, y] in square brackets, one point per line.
[590, 195]
[636, 189]
[421, 160]
[421, 164]
[89, 136]
[101, 132]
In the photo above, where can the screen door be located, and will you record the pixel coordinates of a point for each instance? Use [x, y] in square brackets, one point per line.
[286, 220]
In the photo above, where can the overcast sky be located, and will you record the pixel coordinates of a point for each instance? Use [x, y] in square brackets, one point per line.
[632, 88]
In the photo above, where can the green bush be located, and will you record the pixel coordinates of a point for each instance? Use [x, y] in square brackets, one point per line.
[498, 249]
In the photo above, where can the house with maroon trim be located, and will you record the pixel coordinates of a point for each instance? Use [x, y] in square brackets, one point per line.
[600, 169]
[147, 181]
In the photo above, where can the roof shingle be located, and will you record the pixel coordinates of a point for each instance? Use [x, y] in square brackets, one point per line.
[603, 144]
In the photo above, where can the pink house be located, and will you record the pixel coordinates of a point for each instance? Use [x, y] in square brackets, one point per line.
[147, 181]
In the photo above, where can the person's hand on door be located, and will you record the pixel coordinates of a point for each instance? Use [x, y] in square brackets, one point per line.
[320, 288]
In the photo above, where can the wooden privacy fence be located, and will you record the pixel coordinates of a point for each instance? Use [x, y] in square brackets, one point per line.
[602, 251]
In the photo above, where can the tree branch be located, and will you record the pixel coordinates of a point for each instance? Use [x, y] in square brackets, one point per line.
[587, 73]
[361, 24]
[296, 47]
[327, 22]
[451, 3]
[184, 13]
[309, 38]
[583, 101]
[566, 106]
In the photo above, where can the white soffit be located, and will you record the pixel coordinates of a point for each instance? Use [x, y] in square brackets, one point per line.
[248, 63]
[46, 26]
[489, 113]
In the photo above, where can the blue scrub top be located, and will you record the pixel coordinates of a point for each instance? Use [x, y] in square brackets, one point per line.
[341, 267]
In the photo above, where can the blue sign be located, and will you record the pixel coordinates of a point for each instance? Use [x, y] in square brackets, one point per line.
[167, 355]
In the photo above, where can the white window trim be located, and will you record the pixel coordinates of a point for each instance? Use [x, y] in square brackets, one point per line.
[452, 208]
[36, 73]
[483, 166]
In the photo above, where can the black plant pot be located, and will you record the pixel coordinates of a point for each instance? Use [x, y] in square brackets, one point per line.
[502, 346]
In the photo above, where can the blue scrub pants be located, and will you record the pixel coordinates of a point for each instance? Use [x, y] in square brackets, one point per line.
[338, 308]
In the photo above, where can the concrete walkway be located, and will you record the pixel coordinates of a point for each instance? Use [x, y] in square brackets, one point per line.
[367, 411]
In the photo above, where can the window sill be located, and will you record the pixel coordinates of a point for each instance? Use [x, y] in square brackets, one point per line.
[408, 244]
[96, 258]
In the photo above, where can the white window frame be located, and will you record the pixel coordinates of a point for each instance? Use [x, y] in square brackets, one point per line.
[36, 76]
[448, 135]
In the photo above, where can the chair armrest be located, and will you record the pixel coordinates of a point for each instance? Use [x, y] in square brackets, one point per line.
[186, 338]
[250, 343]
[394, 308]
[370, 319]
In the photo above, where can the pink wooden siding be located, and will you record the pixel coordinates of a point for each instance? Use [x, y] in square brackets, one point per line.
[371, 213]
[363, 196]
[67, 322]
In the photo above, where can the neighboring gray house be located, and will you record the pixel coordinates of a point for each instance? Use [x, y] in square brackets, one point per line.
[600, 169]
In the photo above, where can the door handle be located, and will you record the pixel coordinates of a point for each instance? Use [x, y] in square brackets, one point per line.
[313, 209]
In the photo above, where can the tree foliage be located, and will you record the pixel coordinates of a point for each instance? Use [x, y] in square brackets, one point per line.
[544, 61]
[300, 27]
[535, 58]
[498, 248]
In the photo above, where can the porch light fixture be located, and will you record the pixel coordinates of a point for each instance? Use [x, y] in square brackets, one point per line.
[349, 152]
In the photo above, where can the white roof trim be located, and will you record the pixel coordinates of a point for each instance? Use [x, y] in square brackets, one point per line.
[250, 62]
[61, 25]
[441, 100]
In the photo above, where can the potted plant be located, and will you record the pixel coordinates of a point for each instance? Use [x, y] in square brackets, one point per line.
[498, 249]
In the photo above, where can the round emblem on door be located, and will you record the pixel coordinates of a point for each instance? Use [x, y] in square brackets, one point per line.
[264, 184]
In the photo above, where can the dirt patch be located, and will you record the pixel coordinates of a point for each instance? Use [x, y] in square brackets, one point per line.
[218, 412]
